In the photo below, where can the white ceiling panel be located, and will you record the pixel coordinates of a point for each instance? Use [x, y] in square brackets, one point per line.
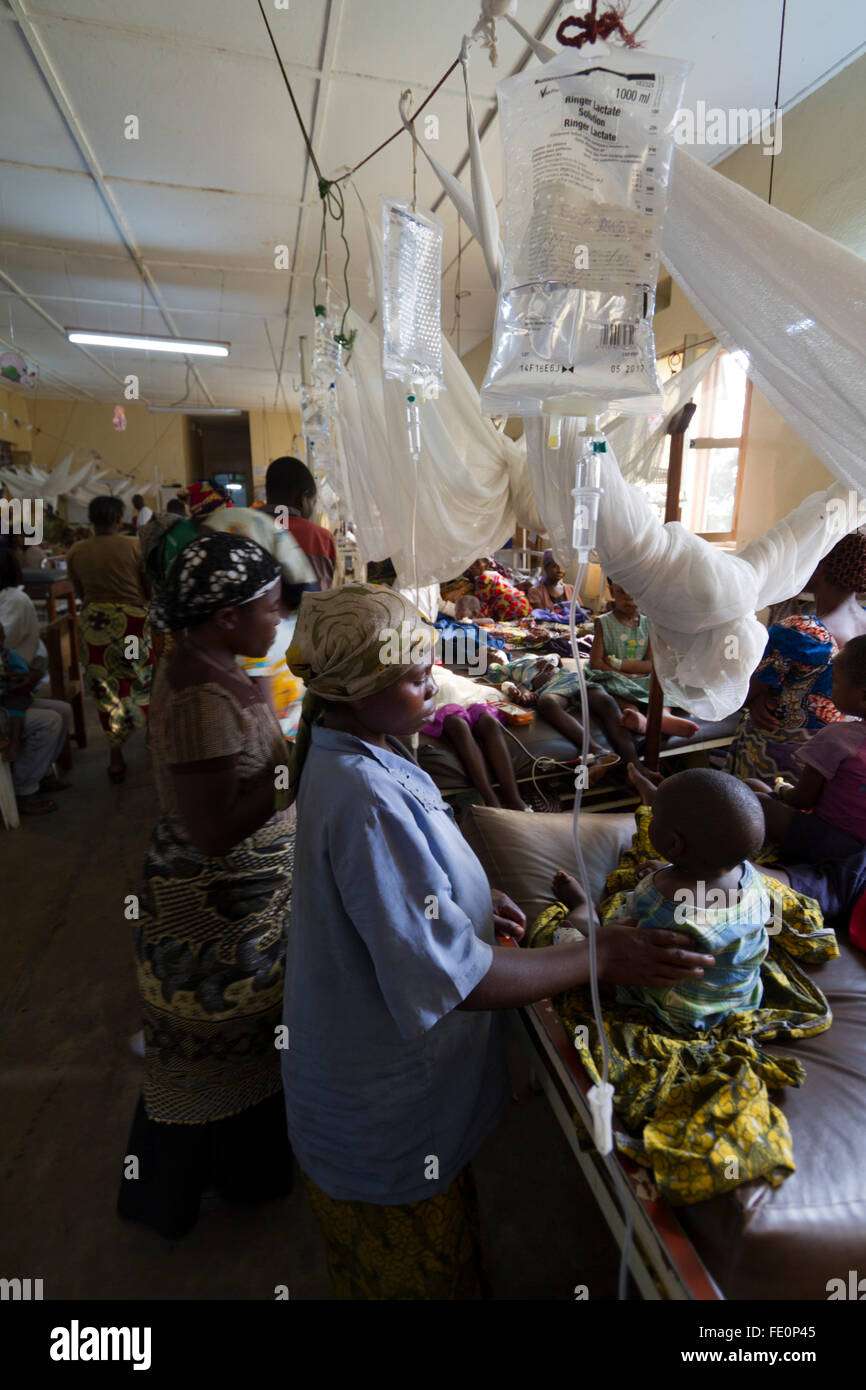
[30, 110]
[206, 119]
[220, 24]
[209, 228]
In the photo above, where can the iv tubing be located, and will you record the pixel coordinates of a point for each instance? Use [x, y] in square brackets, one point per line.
[592, 928]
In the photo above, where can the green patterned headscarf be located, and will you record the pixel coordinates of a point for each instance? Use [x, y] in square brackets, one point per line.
[348, 643]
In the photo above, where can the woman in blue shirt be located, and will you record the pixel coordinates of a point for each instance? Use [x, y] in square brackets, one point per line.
[393, 1065]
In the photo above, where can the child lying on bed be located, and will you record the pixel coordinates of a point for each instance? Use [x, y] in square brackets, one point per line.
[708, 825]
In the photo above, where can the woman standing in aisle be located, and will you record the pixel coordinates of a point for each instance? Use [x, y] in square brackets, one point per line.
[210, 942]
[108, 574]
[394, 1073]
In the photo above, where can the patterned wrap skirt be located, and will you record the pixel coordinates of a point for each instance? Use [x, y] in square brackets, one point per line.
[119, 667]
[429, 1250]
[210, 954]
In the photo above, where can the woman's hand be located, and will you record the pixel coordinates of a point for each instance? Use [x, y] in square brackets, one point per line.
[649, 866]
[508, 920]
[758, 787]
[646, 958]
[762, 708]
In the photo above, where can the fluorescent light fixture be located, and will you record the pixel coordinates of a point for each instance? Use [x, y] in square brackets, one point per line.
[142, 343]
[193, 410]
[234, 487]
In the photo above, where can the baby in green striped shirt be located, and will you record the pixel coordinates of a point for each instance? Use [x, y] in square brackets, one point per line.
[707, 825]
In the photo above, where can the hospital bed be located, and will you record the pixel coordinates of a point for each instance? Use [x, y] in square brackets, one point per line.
[756, 1242]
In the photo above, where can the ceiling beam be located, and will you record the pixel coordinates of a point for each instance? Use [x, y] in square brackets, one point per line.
[54, 83]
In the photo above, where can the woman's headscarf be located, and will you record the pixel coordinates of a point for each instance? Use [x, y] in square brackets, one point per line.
[348, 643]
[845, 566]
[213, 572]
[204, 498]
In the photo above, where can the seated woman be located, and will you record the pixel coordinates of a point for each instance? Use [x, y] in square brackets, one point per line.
[500, 599]
[789, 697]
[824, 815]
[552, 593]
[395, 1074]
[620, 666]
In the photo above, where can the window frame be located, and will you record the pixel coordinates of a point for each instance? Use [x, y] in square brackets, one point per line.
[719, 537]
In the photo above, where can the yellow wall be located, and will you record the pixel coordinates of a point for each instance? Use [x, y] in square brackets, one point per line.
[273, 434]
[16, 405]
[63, 425]
[147, 441]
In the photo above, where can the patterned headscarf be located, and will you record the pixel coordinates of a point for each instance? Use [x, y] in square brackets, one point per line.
[213, 572]
[204, 498]
[348, 643]
[845, 566]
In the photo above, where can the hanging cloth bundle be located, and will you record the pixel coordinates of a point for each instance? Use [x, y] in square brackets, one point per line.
[594, 27]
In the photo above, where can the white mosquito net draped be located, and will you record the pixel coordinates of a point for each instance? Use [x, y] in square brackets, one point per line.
[792, 303]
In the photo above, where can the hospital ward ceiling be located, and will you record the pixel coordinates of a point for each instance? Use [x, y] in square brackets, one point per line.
[173, 233]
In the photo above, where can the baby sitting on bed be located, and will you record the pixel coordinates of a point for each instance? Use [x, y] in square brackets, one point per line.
[708, 825]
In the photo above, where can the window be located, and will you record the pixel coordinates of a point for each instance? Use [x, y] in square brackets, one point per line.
[715, 449]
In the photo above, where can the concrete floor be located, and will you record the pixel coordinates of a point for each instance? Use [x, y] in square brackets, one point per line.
[69, 1005]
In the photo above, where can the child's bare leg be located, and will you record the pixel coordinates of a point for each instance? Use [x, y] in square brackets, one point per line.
[605, 707]
[459, 735]
[675, 724]
[488, 732]
[551, 708]
[632, 718]
[777, 818]
[570, 893]
[646, 784]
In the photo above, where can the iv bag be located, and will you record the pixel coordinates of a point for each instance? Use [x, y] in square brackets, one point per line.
[318, 426]
[327, 349]
[587, 149]
[412, 295]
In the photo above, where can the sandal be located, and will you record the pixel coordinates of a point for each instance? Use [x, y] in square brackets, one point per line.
[36, 805]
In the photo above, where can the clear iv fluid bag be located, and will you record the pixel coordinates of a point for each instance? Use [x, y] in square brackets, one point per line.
[587, 149]
[412, 295]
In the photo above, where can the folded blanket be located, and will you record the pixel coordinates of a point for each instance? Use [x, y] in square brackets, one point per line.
[697, 1109]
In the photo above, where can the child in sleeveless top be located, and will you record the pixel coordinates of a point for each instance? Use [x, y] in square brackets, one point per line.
[620, 667]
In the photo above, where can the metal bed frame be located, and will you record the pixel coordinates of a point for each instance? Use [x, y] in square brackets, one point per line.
[662, 1259]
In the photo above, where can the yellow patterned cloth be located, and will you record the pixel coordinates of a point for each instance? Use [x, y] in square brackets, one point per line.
[428, 1250]
[697, 1109]
[118, 665]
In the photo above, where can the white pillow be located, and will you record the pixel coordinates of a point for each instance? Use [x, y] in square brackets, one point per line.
[522, 852]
